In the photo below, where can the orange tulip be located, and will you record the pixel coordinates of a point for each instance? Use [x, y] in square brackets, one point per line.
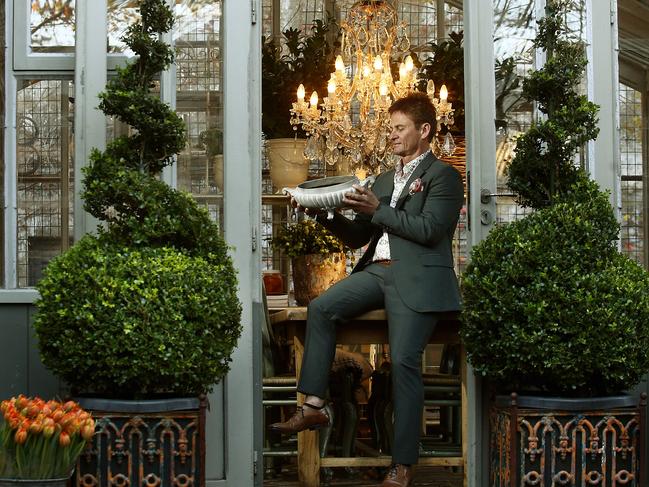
[48, 427]
[64, 439]
[32, 410]
[36, 427]
[21, 402]
[87, 431]
[69, 406]
[21, 436]
[66, 419]
[57, 415]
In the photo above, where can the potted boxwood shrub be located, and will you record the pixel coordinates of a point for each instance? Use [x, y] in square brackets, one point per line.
[551, 308]
[317, 258]
[299, 58]
[146, 311]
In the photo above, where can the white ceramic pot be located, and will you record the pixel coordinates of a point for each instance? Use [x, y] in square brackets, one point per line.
[288, 166]
[326, 193]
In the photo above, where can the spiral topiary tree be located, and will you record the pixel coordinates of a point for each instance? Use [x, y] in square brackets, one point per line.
[543, 166]
[550, 305]
[149, 305]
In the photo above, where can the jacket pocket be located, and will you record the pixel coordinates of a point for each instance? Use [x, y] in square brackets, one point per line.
[436, 260]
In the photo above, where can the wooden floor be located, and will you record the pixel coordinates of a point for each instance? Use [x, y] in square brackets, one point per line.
[369, 477]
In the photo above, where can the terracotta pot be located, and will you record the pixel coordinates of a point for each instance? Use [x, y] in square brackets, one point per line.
[288, 166]
[315, 273]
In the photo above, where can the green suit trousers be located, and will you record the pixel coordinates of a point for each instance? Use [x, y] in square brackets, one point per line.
[409, 331]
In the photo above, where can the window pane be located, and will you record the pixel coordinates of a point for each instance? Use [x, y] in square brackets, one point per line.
[514, 30]
[199, 100]
[121, 15]
[52, 25]
[45, 187]
[631, 155]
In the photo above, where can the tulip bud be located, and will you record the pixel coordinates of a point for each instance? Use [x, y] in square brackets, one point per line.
[32, 411]
[48, 427]
[66, 419]
[36, 427]
[87, 432]
[64, 439]
[57, 415]
[21, 402]
[72, 427]
[21, 436]
[14, 422]
[69, 406]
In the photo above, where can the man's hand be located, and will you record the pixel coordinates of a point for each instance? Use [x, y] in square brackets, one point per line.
[361, 201]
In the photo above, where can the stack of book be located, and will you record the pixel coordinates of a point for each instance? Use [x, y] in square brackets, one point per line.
[277, 300]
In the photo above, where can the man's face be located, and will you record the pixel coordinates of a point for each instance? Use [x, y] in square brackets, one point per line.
[406, 139]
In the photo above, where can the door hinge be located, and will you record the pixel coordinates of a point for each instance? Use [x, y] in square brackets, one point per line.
[254, 239]
[253, 11]
[254, 463]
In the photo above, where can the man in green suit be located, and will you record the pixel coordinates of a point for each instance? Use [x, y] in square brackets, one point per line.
[408, 218]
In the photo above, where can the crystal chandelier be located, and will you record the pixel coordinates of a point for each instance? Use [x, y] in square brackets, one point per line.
[351, 126]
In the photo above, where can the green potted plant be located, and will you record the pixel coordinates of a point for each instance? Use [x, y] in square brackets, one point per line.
[298, 58]
[317, 258]
[40, 441]
[212, 141]
[445, 65]
[146, 311]
[551, 308]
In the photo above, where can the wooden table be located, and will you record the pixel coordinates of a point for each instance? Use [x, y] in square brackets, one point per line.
[369, 328]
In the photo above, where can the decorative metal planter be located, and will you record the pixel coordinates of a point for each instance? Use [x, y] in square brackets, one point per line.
[145, 443]
[573, 442]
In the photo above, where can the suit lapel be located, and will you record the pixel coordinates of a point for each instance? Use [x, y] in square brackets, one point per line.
[387, 187]
[417, 173]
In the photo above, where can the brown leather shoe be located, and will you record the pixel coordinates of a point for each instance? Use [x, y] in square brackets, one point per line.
[398, 476]
[300, 421]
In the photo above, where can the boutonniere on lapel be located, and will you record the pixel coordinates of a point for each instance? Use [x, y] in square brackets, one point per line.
[416, 186]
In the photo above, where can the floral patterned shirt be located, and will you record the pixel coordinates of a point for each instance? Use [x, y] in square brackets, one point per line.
[401, 175]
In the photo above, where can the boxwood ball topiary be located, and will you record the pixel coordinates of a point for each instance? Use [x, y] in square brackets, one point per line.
[137, 321]
[149, 305]
[550, 304]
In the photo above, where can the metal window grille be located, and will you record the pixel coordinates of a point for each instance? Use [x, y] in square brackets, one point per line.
[632, 126]
[513, 34]
[45, 186]
[454, 18]
[199, 101]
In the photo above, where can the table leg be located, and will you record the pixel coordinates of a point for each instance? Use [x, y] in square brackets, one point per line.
[308, 453]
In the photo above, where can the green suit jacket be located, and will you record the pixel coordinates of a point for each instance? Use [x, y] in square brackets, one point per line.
[420, 230]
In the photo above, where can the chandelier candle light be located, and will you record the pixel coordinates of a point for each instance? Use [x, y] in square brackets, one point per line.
[351, 126]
